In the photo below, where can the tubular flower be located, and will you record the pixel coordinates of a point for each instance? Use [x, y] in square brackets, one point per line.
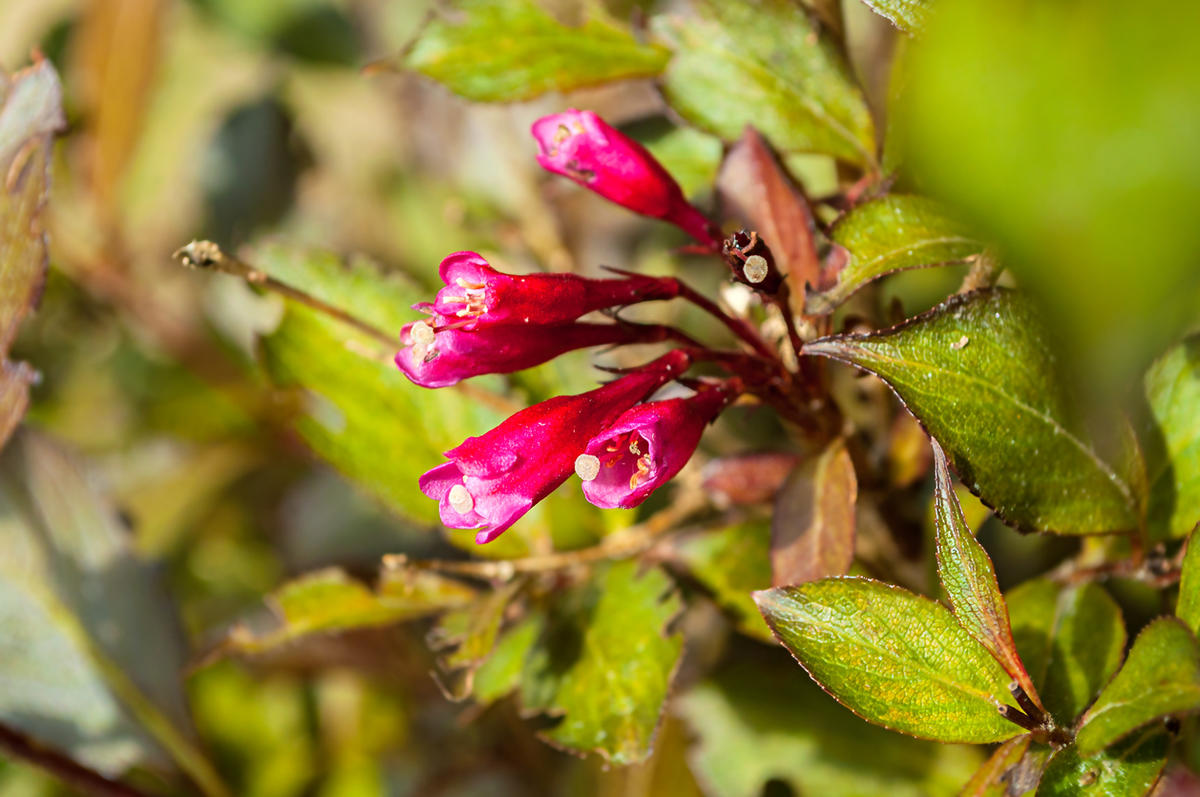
[647, 446]
[494, 479]
[439, 352]
[582, 146]
[477, 295]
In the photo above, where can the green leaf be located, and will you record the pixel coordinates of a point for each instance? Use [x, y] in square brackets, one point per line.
[890, 234]
[30, 115]
[1129, 769]
[910, 16]
[894, 658]
[1173, 391]
[329, 601]
[731, 562]
[967, 574]
[472, 630]
[1160, 676]
[508, 50]
[1071, 640]
[1074, 177]
[812, 529]
[756, 722]
[1188, 607]
[766, 64]
[689, 155]
[500, 672]
[605, 663]
[91, 655]
[989, 779]
[981, 362]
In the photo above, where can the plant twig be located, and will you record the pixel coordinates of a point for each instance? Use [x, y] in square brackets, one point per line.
[737, 326]
[627, 542]
[67, 770]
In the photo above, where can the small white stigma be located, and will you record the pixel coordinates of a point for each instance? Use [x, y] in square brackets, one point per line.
[422, 334]
[587, 467]
[756, 269]
[461, 500]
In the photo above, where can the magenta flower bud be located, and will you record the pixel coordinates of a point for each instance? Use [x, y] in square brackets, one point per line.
[644, 448]
[585, 148]
[438, 352]
[494, 479]
[476, 294]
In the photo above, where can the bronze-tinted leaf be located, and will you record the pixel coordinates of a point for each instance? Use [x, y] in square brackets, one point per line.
[812, 531]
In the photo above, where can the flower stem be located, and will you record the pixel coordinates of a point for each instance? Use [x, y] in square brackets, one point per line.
[737, 326]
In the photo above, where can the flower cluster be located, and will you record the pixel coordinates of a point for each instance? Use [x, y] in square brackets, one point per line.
[622, 445]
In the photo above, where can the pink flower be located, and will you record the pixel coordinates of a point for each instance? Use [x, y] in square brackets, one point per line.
[441, 351]
[494, 479]
[647, 446]
[585, 148]
[476, 294]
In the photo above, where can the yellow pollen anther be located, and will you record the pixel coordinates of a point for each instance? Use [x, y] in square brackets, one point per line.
[461, 500]
[643, 470]
[587, 467]
[562, 134]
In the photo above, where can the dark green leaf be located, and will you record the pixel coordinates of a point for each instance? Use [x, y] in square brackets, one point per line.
[328, 601]
[755, 723]
[891, 234]
[1188, 607]
[1173, 392]
[990, 780]
[894, 658]
[1071, 640]
[605, 663]
[732, 562]
[910, 16]
[1160, 676]
[500, 672]
[1129, 769]
[1064, 132]
[507, 50]
[30, 115]
[812, 530]
[969, 578]
[981, 362]
[768, 65]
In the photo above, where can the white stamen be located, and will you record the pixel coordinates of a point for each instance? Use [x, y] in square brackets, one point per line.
[587, 467]
[422, 333]
[461, 500]
[756, 269]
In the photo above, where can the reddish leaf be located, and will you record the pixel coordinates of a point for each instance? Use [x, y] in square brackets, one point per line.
[748, 478]
[967, 573]
[812, 532]
[755, 188]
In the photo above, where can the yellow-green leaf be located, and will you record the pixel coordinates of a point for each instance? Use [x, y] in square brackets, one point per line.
[894, 658]
[1173, 391]
[979, 373]
[1188, 607]
[1129, 769]
[910, 16]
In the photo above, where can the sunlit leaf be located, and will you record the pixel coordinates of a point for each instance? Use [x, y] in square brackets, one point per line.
[1071, 640]
[1160, 676]
[979, 363]
[1187, 608]
[969, 578]
[472, 631]
[755, 189]
[910, 16]
[732, 562]
[990, 779]
[890, 234]
[329, 601]
[506, 50]
[1173, 392]
[768, 65]
[1129, 769]
[812, 530]
[500, 672]
[605, 663]
[30, 115]
[756, 723]
[894, 658]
